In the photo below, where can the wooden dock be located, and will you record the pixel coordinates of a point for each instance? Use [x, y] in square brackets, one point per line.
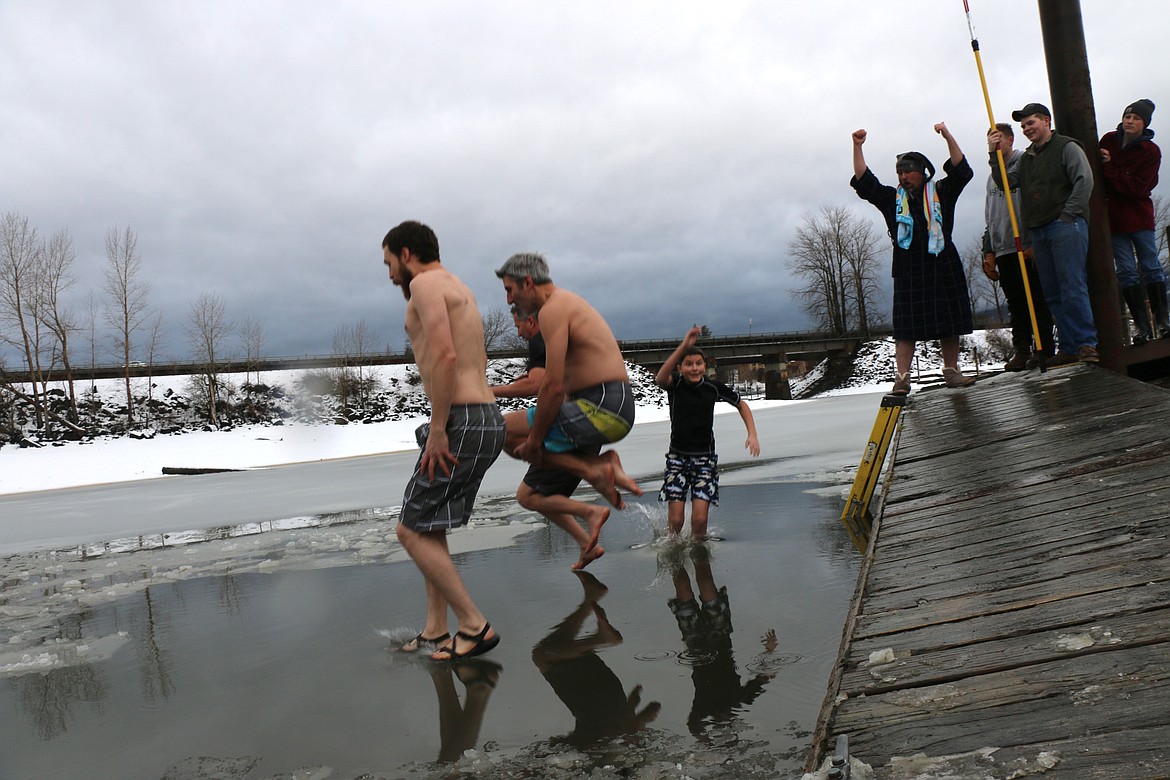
[1013, 615]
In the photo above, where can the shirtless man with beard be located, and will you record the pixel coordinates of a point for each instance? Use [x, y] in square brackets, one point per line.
[464, 437]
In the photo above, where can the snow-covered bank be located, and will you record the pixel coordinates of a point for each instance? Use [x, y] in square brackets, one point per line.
[306, 431]
[122, 458]
[247, 447]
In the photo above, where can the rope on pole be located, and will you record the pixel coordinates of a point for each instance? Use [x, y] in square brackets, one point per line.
[1007, 191]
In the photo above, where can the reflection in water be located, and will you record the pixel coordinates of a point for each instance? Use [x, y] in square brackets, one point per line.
[214, 661]
[459, 724]
[232, 595]
[49, 698]
[177, 539]
[578, 676]
[705, 623]
[156, 672]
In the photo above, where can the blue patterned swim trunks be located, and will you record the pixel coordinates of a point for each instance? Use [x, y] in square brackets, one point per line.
[694, 474]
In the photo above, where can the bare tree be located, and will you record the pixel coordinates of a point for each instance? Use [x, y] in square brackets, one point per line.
[56, 277]
[153, 340]
[208, 329]
[984, 293]
[252, 340]
[352, 346]
[127, 299]
[92, 309]
[861, 263]
[835, 253]
[499, 331]
[19, 255]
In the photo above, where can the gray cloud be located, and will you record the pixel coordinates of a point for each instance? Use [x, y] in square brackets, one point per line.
[661, 154]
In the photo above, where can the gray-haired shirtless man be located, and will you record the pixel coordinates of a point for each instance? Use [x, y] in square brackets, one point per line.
[584, 401]
[464, 437]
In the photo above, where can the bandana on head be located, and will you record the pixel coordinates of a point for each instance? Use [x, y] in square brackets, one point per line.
[914, 161]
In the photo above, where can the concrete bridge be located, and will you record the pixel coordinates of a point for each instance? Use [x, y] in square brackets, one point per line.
[774, 350]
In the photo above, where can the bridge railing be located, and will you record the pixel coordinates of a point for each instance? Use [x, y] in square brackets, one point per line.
[236, 366]
[737, 339]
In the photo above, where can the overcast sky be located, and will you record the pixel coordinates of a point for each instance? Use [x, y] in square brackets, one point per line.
[661, 154]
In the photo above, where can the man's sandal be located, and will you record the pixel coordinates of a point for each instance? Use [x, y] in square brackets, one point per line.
[420, 640]
[480, 645]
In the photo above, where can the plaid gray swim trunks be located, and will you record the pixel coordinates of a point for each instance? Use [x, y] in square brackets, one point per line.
[476, 434]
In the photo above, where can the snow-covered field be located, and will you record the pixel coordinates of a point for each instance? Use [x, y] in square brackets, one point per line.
[121, 458]
[117, 458]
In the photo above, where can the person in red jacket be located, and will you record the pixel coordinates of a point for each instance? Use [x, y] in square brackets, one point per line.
[1129, 162]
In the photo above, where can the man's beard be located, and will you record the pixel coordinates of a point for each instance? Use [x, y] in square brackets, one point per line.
[405, 283]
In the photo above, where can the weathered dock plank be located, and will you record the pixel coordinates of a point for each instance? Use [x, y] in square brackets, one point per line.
[1014, 618]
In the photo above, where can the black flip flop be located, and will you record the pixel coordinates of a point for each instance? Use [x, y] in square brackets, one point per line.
[480, 645]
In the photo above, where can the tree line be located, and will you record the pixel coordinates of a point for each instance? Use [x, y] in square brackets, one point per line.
[837, 256]
[53, 337]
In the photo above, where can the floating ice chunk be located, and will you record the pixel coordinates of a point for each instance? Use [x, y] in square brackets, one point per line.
[63, 653]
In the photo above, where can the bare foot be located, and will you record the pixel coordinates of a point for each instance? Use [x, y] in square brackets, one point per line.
[594, 521]
[620, 477]
[604, 483]
[588, 557]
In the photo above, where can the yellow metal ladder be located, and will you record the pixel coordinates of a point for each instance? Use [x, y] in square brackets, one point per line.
[856, 516]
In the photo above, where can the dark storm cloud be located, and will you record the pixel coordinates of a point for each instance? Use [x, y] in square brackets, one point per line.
[660, 154]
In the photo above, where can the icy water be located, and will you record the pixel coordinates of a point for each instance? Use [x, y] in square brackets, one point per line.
[291, 673]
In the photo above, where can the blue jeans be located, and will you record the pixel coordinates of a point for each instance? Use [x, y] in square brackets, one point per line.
[1061, 251]
[1124, 245]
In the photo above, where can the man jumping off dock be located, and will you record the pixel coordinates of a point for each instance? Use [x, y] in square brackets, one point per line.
[585, 400]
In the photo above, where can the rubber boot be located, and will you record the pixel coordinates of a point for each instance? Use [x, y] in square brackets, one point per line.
[1135, 298]
[1157, 293]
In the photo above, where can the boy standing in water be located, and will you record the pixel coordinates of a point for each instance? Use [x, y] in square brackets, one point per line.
[691, 462]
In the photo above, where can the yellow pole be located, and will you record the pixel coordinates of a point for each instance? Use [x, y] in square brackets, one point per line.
[1007, 191]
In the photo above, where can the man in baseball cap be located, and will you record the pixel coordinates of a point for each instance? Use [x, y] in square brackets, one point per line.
[1055, 181]
[1037, 109]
